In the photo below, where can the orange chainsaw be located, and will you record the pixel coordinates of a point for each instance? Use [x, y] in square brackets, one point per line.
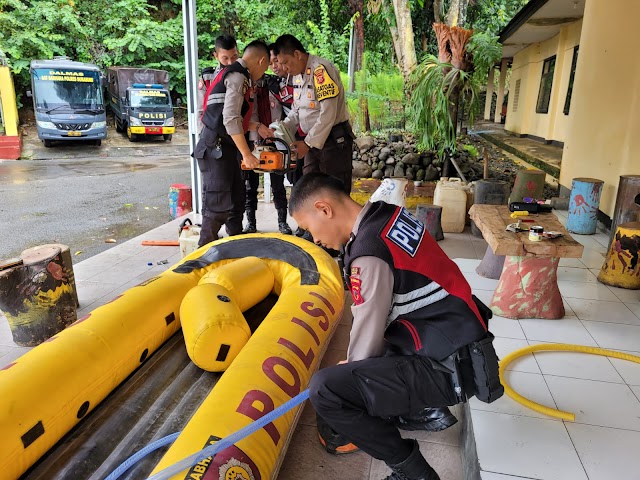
[275, 156]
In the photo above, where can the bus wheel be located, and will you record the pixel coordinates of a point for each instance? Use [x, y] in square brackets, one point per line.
[97, 143]
[132, 136]
[119, 128]
[167, 137]
[48, 143]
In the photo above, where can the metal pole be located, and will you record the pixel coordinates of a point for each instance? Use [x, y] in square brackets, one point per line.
[191, 66]
[352, 58]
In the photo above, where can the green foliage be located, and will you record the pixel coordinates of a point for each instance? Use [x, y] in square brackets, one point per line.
[435, 86]
[491, 16]
[485, 50]
[326, 43]
[472, 150]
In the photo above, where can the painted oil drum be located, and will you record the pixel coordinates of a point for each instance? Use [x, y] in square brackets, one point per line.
[583, 205]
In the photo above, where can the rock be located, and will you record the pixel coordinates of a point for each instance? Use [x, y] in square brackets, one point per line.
[411, 159]
[376, 151]
[427, 160]
[420, 174]
[388, 171]
[384, 153]
[365, 143]
[361, 170]
[401, 164]
[431, 173]
[390, 161]
[409, 174]
[381, 165]
[377, 174]
[398, 171]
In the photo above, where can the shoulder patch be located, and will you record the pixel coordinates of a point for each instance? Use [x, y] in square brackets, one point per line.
[325, 86]
[356, 286]
[406, 232]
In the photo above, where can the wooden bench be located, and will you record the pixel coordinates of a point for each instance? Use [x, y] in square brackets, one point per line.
[528, 286]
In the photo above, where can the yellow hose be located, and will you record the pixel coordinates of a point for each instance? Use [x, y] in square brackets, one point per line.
[561, 347]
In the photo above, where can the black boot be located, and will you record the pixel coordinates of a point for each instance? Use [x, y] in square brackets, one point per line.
[283, 226]
[429, 419]
[415, 467]
[332, 441]
[251, 222]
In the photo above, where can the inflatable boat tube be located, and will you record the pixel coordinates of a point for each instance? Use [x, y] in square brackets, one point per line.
[274, 366]
[211, 313]
[51, 388]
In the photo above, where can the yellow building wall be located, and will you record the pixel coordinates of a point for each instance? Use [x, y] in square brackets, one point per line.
[602, 138]
[527, 67]
[8, 99]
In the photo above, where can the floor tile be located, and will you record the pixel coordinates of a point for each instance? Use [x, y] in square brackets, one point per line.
[577, 365]
[6, 337]
[596, 403]
[570, 262]
[444, 459]
[529, 385]
[480, 283]
[629, 371]
[505, 346]
[525, 447]
[593, 258]
[615, 335]
[607, 453]
[499, 476]
[602, 239]
[467, 265]
[306, 458]
[587, 291]
[636, 391]
[602, 311]
[506, 327]
[566, 330]
[90, 291]
[579, 275]
[12, 355]
[625, 295]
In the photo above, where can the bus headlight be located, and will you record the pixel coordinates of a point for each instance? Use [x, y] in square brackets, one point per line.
[98, 124]
[43, 124]
[169, 122]
[135, 122]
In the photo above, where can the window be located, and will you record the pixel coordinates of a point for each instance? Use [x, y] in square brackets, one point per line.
[567, 102]
[516, 96]
[544, 95]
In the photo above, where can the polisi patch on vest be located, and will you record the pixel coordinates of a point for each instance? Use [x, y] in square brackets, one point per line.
[406, 232]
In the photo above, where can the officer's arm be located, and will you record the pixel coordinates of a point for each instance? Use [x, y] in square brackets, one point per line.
[232, 117]
[327, 94]
[293, 119]
[372, 291]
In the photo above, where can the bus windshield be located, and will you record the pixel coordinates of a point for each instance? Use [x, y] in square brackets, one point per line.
[73, 89]
[149, 98]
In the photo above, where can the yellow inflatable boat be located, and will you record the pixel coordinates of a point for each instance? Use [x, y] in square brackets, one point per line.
[52, 388]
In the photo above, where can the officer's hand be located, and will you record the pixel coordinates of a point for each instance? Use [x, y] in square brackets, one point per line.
[301, 148]
[342, 362]
[265, 132]
[250, 161]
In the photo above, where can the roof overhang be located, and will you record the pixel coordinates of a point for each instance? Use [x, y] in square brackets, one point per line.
[539, 20]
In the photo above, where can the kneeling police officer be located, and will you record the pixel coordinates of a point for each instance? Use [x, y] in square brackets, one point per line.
[419, 340]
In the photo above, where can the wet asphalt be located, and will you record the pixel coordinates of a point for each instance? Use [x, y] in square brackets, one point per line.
[82, 195]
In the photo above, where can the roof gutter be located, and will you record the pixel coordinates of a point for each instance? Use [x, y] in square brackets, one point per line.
[521, 18]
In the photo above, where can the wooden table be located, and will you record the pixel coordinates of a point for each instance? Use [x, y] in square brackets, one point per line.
[528, 286]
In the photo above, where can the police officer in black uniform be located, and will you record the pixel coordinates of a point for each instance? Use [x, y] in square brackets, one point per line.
[419, 340]
[223, 145]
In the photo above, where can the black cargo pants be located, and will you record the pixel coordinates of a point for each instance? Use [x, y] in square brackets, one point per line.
[277, 186]
[335, 157]
[223, 192]
[352, 398]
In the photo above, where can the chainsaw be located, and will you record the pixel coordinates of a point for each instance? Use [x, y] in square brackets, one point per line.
[275, 156]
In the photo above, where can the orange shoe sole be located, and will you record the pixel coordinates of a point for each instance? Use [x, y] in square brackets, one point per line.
[341, 450]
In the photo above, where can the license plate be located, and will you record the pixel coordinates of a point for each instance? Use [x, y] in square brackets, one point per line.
[74, 134]
[153, 130]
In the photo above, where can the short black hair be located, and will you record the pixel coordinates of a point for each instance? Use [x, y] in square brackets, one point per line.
[309, 185]
[288, 44]
[272, 48]
[258, 45]
[226, 42]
